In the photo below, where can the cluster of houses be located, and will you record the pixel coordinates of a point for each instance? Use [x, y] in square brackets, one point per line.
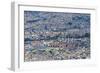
[53, 44]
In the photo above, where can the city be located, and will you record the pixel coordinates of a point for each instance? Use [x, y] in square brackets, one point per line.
[56, 36]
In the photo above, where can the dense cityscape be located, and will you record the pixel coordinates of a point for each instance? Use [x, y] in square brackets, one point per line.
[56, 36]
